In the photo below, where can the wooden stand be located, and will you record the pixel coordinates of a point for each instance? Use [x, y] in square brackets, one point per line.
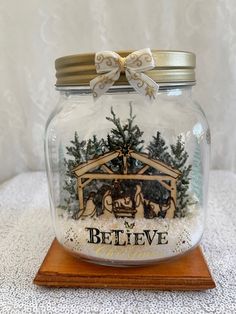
[60, 269]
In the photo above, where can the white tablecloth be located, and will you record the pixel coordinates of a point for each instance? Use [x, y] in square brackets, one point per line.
[26, 234]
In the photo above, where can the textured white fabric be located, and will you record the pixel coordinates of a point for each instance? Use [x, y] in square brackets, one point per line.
[33, 33]
[26, 234]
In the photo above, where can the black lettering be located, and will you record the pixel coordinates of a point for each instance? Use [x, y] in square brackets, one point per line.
[149, 238]
[162, 238]
[138, 237]
[106, 237]
[117, 237]
[128, 238]
[93, 235]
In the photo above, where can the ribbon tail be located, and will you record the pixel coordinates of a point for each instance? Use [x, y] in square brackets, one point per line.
[143, 84]
[100, 84]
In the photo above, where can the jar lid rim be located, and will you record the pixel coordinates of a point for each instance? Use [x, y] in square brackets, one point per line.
[172, 66]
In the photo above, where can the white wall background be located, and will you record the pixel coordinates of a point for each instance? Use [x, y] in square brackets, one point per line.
[33, 33]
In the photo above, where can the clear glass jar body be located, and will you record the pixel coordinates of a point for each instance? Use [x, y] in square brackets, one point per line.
[127, 179]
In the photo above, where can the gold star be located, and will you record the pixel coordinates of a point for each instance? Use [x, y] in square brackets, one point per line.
[150, 90]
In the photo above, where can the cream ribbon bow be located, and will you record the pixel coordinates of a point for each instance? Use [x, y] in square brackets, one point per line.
[112, 65]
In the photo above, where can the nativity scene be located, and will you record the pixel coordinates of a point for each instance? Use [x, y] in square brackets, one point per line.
[123, 194]
[119, 177]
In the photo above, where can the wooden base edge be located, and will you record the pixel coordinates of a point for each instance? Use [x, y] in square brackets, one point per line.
[60, 269]
[157, 285]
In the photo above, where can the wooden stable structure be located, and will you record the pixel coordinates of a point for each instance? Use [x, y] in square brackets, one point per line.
[167, 176]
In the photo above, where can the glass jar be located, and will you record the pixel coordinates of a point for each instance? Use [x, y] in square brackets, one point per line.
[128, 178]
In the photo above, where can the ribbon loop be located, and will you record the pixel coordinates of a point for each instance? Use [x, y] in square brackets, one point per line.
[111, 65]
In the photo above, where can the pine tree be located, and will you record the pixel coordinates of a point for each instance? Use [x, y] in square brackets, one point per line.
[124, 137]
[176, 158]
[179, 160]
[95, 148]
[78, 153]
[157, 149]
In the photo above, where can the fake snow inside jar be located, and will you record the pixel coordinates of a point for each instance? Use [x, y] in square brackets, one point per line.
[127, 154]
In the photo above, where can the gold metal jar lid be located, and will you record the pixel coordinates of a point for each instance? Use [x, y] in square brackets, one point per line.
[173, 68]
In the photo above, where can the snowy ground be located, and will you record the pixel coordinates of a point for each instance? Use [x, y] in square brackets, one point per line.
[180, 233]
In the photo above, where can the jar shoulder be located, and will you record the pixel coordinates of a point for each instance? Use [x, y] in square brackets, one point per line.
[179, 113]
